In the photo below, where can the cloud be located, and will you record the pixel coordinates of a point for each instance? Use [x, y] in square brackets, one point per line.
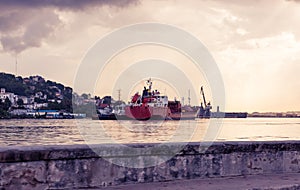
[65, 4]
[26, 24]
[22, 30]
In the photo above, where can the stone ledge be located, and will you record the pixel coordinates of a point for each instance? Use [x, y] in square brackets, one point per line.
[250, 182]
[61, 152]
[77, 166]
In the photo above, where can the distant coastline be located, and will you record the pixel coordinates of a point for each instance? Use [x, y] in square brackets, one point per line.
[290, 114]
[30, 97]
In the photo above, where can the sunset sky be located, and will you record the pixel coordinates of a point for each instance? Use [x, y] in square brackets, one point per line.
[255, 44]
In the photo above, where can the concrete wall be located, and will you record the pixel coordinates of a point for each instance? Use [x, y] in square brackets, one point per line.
[77, 166]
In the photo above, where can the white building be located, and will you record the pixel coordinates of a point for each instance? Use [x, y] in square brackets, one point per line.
[24, 98]
[29, 106]
[9, 95]
[39, 105]
[38, 94]
[18, 112]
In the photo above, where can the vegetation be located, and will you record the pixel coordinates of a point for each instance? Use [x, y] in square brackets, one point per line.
[56, 95]
[36, 87]
[13, 84]
[4, 107]
[32, 85]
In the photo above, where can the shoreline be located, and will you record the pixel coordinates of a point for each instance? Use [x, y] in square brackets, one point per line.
[189, 118]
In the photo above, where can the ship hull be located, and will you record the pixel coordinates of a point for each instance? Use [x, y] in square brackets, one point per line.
[145, 112]
[183, 116]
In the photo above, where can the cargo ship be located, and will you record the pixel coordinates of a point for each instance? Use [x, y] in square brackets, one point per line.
[152, 105]
[149, 105]
[174, 111]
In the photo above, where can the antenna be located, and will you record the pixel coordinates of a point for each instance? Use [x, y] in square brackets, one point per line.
[119, 94]
[16, 66]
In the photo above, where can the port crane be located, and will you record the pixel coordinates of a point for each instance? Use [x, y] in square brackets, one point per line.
[202, 92]
[204, 112]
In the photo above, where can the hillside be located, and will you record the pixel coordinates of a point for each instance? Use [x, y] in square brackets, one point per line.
[56, 95]
[34, 84]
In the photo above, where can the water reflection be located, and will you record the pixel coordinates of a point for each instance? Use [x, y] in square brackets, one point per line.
[46, 132]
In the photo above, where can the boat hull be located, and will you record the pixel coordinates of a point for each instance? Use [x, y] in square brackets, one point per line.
[183, 116]
[145, 112]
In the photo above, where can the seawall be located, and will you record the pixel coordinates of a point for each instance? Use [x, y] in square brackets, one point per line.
[77, 166]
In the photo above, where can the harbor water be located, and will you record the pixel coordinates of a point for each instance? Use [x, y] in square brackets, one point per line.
[81, 131]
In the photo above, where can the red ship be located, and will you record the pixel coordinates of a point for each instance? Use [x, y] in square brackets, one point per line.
[174, 110]
[149, 105]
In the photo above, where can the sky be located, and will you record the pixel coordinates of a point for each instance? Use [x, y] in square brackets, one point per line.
[255, 44]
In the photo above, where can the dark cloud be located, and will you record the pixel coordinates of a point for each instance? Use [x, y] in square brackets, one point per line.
[24, 29]
[65, 4]
[27, 23]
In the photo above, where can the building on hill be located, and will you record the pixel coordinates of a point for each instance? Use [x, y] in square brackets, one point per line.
[37, 79]
[24, 99]
[11, 96]
[39, 105]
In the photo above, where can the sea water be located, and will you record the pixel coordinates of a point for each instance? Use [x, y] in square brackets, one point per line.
[87, 131]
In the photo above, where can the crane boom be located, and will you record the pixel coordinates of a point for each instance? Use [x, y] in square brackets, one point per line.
[202, 92]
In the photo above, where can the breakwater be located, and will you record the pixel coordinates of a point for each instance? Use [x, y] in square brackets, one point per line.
[77, 166]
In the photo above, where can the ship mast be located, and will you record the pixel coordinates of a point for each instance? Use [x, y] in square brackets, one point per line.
[149, 82]
[189, 97]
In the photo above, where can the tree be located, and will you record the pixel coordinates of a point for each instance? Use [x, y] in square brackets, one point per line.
[4, 106]
[7, 104]
[20, 102]
[85, 96]
[38, 100]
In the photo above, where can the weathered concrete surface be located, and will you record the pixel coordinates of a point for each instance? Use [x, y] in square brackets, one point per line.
[77, 166]
[254, 182]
